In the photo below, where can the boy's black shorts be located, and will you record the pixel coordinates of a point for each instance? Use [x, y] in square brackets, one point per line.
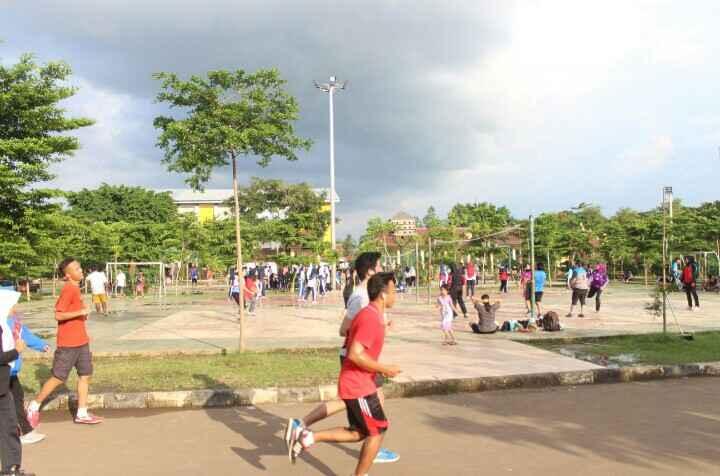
[365, 415]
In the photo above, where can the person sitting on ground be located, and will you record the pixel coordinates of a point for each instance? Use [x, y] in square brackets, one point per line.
[486, 323]
[712, 284]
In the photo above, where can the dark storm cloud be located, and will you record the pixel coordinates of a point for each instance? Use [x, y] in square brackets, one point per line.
[389, 122]
[531, 104]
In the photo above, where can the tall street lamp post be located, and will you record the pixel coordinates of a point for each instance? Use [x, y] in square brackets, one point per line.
[330, 87]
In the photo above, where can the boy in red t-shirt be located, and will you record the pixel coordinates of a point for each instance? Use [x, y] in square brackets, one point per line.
[356, 384]
[73, 347]
[250, 293]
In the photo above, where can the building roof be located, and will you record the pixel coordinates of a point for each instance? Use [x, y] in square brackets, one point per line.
[209, 195]
[402, 216]
[218, 196]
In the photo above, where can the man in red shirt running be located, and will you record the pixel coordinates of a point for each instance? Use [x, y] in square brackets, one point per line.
[356, 385]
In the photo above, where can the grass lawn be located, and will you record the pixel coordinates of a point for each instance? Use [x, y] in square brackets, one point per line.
[282, 368]
[643, 349]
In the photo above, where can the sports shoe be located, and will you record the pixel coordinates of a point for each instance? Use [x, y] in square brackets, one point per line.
[386, 456]
[33, 417]
[89, 419]
[302, 440]
[568, 315]
[32, 437]
[16, 472]
[292, 431]
[581, 315]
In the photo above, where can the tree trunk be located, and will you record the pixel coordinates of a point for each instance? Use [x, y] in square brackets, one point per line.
[238, 248]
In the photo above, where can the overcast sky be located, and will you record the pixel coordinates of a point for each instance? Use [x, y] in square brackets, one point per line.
[537, 105]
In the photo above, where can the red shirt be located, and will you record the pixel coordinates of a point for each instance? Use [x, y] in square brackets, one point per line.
[250, 284]
[470, 270]
[503, 275]
[71, 333]
[368, 329]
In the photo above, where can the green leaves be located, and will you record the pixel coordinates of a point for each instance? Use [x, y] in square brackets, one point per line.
[32, 124]
[227, 114]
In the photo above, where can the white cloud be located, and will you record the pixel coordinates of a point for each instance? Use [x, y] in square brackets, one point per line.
[109, 149]
[644, 157]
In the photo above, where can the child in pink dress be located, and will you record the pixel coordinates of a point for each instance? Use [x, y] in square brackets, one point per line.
[446, 306]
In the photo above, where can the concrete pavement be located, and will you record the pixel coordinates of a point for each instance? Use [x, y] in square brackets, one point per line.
[655, 428]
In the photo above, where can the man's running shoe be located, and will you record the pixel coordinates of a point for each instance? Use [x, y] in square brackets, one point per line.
[386, 456]
[33, 417]
[88, 419]
[303, 440]
[292, 431]
[32, 437]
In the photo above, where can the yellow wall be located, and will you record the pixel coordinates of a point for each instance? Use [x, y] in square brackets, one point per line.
[327, 236]
[206, 213]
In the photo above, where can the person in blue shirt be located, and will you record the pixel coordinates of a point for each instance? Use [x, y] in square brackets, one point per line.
[27, 434]
[540, 278]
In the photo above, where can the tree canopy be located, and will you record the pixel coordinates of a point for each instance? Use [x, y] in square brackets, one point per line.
[33, 135]
[110, 203]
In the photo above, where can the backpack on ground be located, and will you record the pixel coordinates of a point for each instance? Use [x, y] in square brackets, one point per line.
[551, 321]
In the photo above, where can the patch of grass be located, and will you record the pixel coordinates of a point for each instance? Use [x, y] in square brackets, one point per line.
[646, 348]
[281, 368]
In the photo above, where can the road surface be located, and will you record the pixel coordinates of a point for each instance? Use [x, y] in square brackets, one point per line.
[656, 428]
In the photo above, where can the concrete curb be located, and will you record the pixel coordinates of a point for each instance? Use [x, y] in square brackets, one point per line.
[412, 388]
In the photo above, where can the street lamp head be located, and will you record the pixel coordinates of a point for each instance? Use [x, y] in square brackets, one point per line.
[323, 87]
[334, 84]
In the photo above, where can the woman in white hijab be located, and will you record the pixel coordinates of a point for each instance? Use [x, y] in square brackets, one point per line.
[10, 447]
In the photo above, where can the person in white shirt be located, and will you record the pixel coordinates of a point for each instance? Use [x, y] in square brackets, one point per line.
[120, 283]
[366, 266]
[98, 281]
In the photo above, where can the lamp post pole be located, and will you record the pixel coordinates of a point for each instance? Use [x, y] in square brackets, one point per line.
[330, 87]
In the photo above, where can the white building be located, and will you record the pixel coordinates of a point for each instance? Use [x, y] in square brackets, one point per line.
[405, 225]
[212, 204]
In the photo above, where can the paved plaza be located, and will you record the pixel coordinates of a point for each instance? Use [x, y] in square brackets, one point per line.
[637, 429]
[208, 322]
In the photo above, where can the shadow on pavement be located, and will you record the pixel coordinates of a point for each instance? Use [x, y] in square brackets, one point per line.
[636, 424]
[260, 428]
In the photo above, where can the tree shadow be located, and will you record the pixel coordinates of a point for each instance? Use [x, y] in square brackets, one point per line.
[641, 432]
[260, 428]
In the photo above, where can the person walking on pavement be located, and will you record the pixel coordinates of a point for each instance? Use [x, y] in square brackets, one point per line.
[689, 280]
[456, 289]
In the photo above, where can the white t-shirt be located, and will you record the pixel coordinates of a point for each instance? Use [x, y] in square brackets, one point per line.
[97, 282]
[120, 280]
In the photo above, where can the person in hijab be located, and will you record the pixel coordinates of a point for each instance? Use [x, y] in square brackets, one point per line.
[10, 349]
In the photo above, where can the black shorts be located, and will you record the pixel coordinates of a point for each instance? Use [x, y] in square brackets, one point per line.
[579, 295]
[68, 357]
[194, 280]
[538, 296]
[366, 416]
[528, 290]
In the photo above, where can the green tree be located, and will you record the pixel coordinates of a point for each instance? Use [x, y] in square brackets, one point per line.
[33, 129]
[348, 245]
[110, 203]
[228, 114]
[431, 218]
[292, 214]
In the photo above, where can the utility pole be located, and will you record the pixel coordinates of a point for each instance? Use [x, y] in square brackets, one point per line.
[430, 269]
[417, 271]
[532, 267]
[667, 198]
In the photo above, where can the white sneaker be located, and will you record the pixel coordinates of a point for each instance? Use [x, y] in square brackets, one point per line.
[32, 437]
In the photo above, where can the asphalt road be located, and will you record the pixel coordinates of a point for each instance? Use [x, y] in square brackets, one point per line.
[657, 428]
